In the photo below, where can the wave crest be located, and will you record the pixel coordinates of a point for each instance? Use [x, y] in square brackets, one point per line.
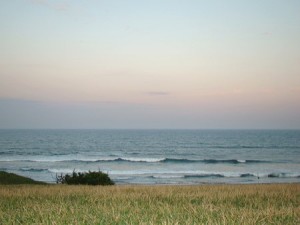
[144, 160]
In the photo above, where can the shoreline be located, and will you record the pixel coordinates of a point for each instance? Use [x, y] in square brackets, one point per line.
[7, 177]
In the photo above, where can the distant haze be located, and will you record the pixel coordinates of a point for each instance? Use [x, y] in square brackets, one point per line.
[150, 64]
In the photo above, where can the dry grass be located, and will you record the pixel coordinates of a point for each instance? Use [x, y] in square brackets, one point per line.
[207, 204]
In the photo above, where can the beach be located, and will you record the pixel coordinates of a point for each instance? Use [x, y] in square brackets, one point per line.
[161, 176]
[149, 112]
[146, 204]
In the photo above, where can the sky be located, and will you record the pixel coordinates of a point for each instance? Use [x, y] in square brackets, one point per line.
[159, 64]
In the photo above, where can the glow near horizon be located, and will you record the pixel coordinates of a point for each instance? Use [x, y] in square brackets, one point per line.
[208, 63]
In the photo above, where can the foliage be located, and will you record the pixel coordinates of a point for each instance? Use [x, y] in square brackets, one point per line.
[11, 178]
[90, 178]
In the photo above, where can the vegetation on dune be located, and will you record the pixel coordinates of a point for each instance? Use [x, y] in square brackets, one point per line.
[206, 204]
[90, 178]
[11, 178]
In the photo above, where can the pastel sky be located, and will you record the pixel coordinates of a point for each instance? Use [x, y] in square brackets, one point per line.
[191, 64]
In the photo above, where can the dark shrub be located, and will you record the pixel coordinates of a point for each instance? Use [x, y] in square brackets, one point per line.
[90, 178]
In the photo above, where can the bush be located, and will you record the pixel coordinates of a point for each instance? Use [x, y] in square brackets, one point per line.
[90, 178]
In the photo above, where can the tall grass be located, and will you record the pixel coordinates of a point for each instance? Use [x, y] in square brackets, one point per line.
[206, 204]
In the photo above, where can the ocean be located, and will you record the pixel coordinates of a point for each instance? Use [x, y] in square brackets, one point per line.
[155, 156]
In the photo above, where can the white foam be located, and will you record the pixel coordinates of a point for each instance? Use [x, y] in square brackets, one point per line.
[66, 170]
[241, 160]
[143, 159]
[166, 176]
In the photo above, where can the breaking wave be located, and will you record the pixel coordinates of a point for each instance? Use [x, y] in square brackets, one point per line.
[146, 160]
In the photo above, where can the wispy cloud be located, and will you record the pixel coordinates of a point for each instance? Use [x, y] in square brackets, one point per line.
[63, 6]
[157, 93]
[267, 33]
[60, 6]
[19, 101]
[39, 1]
[103, 103]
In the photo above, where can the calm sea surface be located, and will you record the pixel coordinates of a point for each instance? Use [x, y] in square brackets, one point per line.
[155, 156]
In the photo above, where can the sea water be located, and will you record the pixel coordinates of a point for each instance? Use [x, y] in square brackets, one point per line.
[155, 156]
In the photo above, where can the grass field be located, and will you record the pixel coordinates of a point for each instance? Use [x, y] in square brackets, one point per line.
[205, 204]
